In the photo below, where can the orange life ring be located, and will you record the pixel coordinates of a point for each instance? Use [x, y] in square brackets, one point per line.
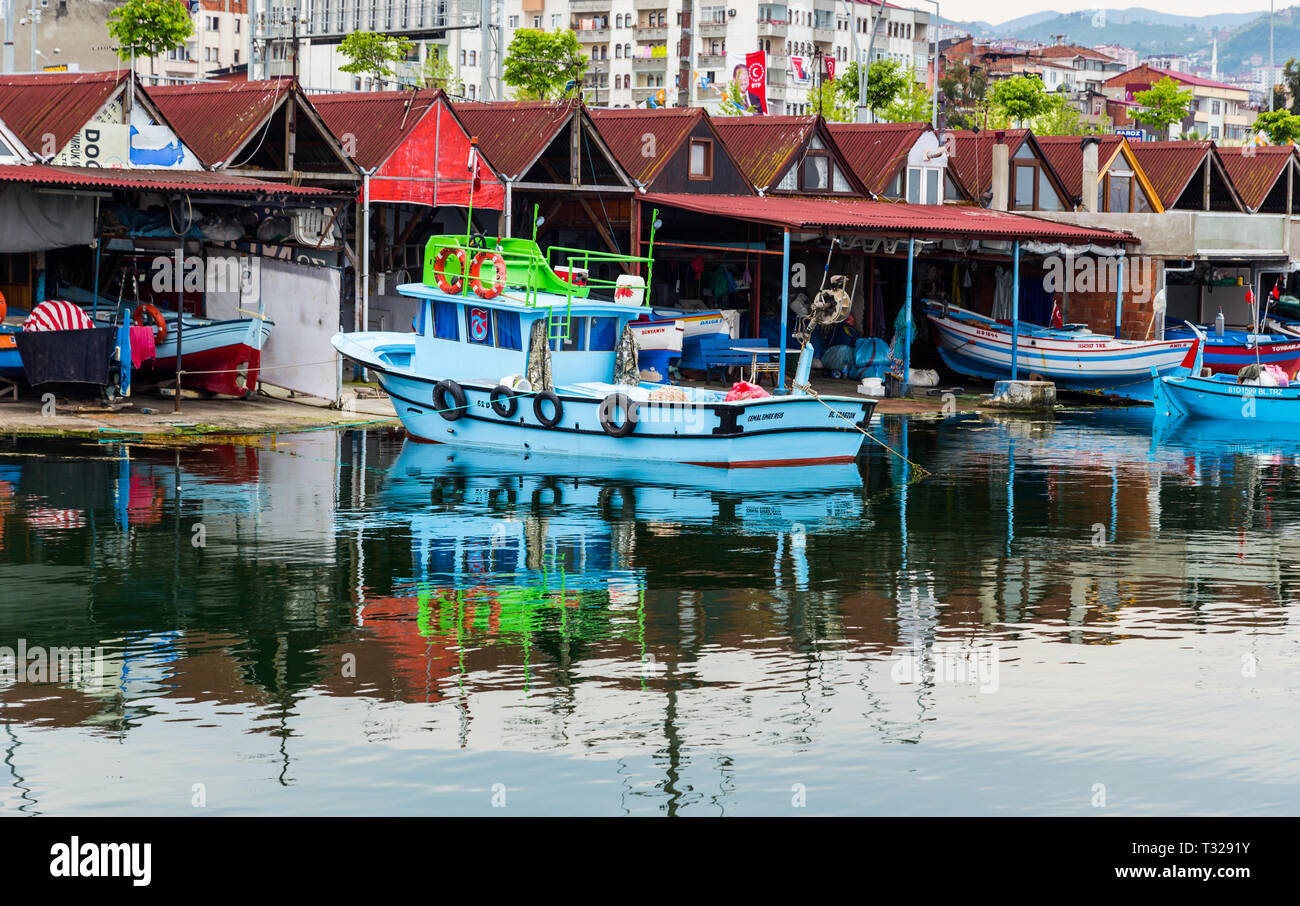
[440, 270]
[498, 272]
[160, 323]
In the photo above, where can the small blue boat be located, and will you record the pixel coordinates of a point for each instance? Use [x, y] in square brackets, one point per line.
[508, 354]
[11, 363]
[1221, 397]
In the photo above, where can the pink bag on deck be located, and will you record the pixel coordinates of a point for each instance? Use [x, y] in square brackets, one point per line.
[744, 390]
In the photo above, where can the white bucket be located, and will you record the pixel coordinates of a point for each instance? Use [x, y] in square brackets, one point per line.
[629, 289]
[516, 382]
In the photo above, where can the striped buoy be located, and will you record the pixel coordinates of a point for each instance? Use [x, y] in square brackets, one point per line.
[56, 314]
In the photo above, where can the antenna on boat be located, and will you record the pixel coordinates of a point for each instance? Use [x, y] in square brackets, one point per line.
[538, 220]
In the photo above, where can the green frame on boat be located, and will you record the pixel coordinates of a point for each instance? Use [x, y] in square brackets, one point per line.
[527, 267]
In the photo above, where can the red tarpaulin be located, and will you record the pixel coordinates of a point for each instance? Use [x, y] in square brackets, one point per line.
[430, 167]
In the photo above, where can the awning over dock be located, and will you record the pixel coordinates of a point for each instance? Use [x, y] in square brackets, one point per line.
[831, 215]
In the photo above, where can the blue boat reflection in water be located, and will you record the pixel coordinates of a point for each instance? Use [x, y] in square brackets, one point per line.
[377, 625]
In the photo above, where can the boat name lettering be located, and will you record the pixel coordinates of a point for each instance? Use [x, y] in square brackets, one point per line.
[841, 414]
[765, 416]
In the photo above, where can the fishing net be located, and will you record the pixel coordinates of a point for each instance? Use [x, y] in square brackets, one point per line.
[898, 346]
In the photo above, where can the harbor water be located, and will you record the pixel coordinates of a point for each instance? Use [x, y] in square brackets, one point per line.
[1076, 615]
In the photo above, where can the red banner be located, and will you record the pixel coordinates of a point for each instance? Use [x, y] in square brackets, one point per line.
[830, 68]
[756, 68]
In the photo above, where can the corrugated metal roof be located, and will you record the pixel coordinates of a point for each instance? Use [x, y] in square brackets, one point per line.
[215, 118]
[378, 121]
[972, 155]
[876, 217]
[1065, 154]
[1171, 165]
[1147, 75]
[627, 133]
[876, 151]
[56, 104]
[512, 134]
[196, 181]
[1254, 170]
[764, 145]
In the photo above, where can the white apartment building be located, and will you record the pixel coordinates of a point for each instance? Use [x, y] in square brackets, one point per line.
[633, 45]
[219, 42]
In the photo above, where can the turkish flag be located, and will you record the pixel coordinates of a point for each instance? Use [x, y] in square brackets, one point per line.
[830, 68]
[1057, 319]
[756, 67]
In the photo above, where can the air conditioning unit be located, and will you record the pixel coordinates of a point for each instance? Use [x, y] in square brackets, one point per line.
[310, 226]
[731, 14]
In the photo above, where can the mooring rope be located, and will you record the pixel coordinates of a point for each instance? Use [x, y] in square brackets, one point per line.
[918, 472]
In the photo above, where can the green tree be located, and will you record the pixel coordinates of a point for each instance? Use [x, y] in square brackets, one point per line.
[910, 105]
[1291, 84]
[964, 90]
[1020, 98]
[370, 53]
[1162, 105]
[437, 72]
[1058, 118]
[733, 102]
[885, 82]
[543, 65]
[1281, 126]
[147, 28]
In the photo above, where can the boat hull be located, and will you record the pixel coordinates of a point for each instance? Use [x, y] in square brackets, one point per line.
[11, 363]
[768, 432]
[231, 351]
[1225, 401]
[979, 347]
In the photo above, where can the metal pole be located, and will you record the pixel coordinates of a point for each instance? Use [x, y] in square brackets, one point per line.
[1119, 297]
[785, 306]
[1272, 75]
[9, 35]
[1015, 305]
[907, 347]
[934, 92]
[32, 22]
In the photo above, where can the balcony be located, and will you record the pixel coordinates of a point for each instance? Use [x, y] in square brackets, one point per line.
[649, 4]
[771, 29]
[823, 35]
[649, 64]
[711, 61]
[592, 35]
[641, 94]
[711, 29]
[651, 32]
[597, 66]
[589, 6]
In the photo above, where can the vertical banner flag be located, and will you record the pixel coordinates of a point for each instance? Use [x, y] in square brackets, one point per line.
[796, 67]
[830, 68]
[756, 68]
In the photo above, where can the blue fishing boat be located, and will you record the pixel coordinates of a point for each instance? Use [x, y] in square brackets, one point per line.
[1233, 350]
[1072, 356]
[508, 354]
[1225, 398]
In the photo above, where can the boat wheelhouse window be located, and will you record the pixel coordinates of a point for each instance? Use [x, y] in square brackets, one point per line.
[604, 334]
[446, 320]
[507, 324]
[577, 327]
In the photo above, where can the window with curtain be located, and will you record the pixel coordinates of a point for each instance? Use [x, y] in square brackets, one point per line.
[604, 334]
[446, 321]
[508, 335]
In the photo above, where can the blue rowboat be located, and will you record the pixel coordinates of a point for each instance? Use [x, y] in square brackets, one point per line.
[458, 378]
[1073, 357]
[1221, 397]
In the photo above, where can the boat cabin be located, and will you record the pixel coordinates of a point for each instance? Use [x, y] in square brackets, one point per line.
[482, 297]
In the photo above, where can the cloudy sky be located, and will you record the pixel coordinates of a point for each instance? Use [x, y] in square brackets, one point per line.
[969, 10]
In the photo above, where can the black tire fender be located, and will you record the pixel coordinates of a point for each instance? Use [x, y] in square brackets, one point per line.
[449, 389]
[609, 406]
[549, 421]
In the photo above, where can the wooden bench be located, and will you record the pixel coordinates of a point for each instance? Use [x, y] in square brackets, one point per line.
[722, 353]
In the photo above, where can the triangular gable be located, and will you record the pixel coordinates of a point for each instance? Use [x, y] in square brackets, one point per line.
[12, 150]
[1179, 169]
[840, 180]
[242, 127]
[1263, 176]
[596, 164]
[654, 148]
[45, 110]
[878, 153]
[430, 166]
[147, 142]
